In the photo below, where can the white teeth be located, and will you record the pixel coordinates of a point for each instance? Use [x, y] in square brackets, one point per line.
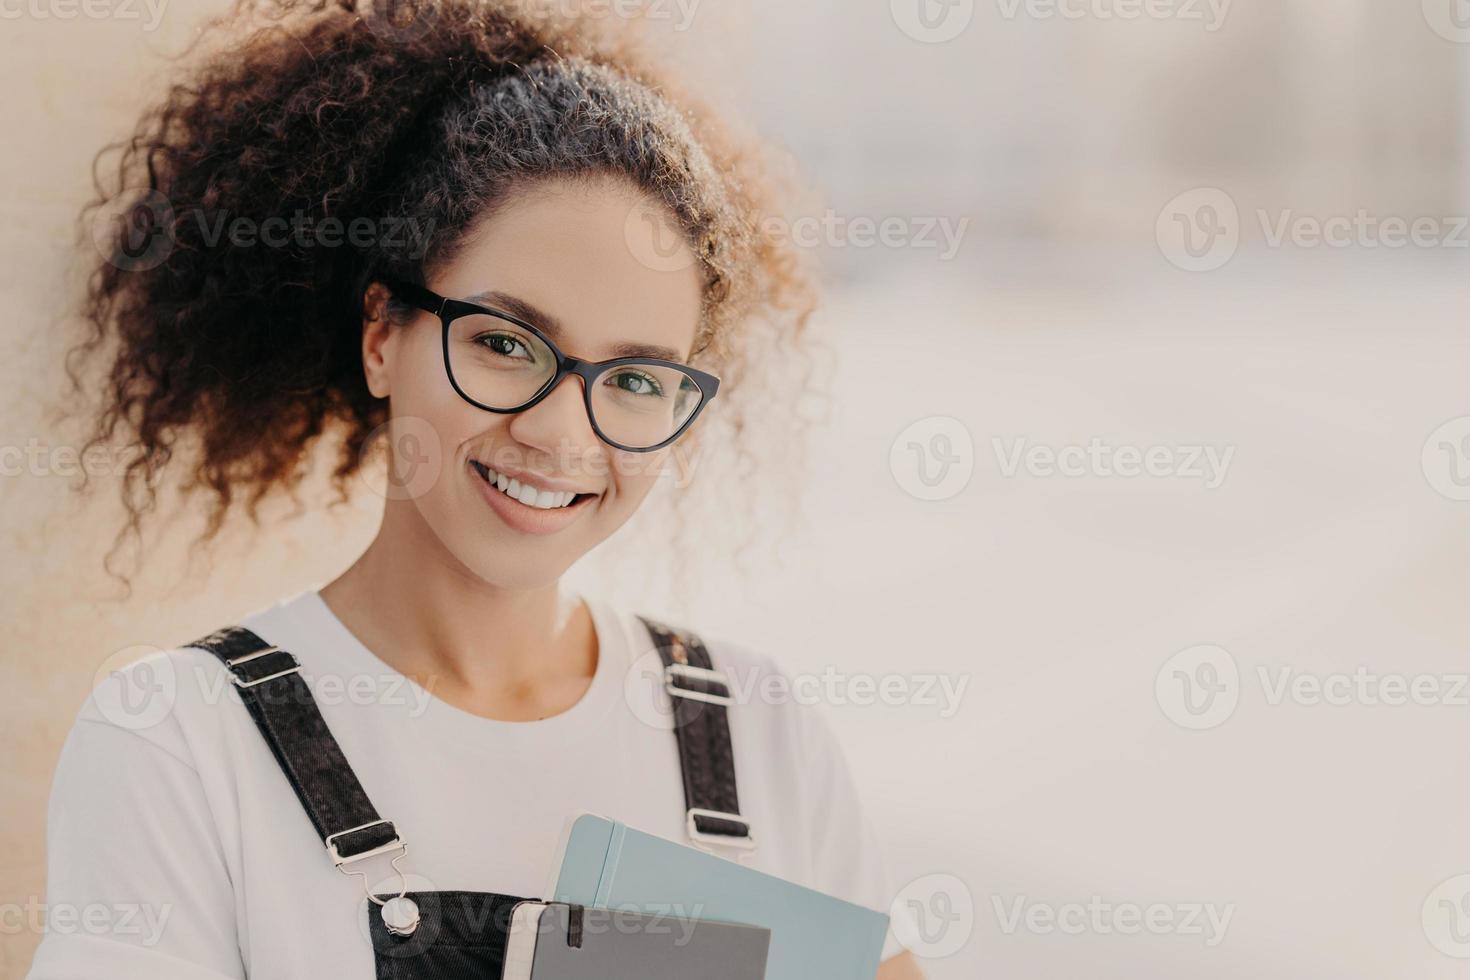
[529, 495]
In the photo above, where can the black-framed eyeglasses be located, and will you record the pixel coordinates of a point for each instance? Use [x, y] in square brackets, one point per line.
[500, 363]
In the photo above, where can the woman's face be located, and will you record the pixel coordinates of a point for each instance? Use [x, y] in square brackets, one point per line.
[564, 256]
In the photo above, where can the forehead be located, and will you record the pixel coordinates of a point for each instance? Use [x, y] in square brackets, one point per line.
[576, 251]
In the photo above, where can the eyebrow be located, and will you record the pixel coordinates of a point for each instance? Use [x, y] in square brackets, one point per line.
[553, 328]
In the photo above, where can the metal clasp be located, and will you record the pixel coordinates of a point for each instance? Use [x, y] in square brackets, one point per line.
[339, 860]
[234, 662]
[396, 844]
[673, 671]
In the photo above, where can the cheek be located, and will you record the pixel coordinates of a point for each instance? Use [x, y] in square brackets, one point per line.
[422, 400]
[634, 475]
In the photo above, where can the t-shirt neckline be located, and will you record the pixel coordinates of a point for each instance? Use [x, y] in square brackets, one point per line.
[593, 706]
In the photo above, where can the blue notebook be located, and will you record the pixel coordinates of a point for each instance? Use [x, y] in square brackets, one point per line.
[606, 864]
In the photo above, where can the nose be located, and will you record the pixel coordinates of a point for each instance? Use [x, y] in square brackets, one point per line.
[558, 422]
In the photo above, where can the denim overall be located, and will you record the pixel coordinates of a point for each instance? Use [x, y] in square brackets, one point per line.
[447, 935]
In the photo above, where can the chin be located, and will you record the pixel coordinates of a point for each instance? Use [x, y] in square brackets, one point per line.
[523, 565]
[512, 568]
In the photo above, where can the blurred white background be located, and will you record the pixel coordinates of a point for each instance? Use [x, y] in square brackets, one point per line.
[1330, 552]
[1228, 239]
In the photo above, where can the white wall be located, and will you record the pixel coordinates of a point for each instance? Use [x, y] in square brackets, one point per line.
[1329, 546]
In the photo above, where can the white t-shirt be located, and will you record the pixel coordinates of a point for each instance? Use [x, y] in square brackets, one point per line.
[177, 849]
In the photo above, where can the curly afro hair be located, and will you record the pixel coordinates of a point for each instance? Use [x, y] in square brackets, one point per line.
[248, 357]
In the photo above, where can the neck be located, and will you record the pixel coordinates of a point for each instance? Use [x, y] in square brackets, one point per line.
[508, 653]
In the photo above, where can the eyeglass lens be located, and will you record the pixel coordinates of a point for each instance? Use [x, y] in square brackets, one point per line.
[501, 365]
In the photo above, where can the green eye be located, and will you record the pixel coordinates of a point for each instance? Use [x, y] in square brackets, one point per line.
[637, 383]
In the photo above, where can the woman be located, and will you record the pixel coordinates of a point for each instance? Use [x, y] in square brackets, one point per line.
[543, 261]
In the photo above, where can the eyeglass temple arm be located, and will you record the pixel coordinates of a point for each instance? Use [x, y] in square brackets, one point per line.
[423, 298]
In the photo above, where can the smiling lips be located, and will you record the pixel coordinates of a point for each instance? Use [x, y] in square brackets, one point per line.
[524, 492]
[525, 507]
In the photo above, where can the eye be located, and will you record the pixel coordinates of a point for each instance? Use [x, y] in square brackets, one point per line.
[636, 383]
[503, 344]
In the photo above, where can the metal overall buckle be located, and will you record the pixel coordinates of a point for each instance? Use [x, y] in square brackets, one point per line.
[400, 913]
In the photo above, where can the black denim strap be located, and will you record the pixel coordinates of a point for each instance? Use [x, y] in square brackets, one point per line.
[281, 704]
[700, 695]
[278, 699]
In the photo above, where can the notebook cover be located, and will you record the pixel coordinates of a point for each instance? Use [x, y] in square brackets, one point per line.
[619, 945]
[814, 936]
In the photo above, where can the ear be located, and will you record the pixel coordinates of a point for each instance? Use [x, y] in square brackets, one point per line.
[377, 334]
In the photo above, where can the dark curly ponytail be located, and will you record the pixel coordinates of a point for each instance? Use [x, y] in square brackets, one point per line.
[323, 147]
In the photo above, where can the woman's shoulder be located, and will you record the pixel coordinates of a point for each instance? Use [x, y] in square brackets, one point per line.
[143, 738]
[170, 697]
